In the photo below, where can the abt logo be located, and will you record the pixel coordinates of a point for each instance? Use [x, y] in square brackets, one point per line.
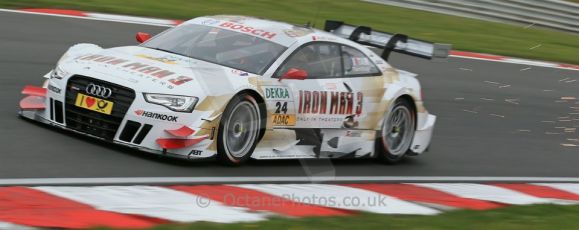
[156, 116]
[194, 153]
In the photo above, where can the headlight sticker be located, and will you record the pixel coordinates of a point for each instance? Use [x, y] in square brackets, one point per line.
[139, 69]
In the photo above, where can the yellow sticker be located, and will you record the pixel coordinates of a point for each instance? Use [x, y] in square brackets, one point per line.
[94, 104]
[159, 59]
[284, 120]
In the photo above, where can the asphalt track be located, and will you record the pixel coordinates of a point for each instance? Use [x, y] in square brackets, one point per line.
[494, 119]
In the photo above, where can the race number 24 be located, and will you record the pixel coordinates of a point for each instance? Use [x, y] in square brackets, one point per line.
[280, 117]
[281, 107]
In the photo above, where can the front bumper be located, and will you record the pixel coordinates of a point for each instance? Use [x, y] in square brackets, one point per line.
[423, 134]
[140, 126]
[36, 116]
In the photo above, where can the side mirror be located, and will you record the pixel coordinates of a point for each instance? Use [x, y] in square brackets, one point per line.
[294, 73]
[142, 37]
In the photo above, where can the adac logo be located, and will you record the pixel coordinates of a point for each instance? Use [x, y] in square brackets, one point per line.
[156, 116]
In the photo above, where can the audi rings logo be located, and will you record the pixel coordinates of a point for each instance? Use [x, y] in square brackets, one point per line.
[99, 91]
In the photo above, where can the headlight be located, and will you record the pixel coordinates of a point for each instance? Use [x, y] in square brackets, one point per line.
[172, 102]
[58, 73]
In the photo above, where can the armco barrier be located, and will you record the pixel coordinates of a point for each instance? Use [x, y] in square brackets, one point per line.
[553, 14]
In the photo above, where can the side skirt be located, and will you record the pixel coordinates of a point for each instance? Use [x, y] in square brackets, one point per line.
[315, 143]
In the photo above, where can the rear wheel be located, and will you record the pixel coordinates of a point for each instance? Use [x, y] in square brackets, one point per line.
[238, 130]
[397, 131]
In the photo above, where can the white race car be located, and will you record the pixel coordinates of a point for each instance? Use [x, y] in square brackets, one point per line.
[236, 87]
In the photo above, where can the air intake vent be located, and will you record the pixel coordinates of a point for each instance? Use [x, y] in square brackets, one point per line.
[58, 114]
[129, 131]
[142, 134]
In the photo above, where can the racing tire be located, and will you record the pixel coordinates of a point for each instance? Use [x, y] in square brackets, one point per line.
[396, 133]
[239, 130]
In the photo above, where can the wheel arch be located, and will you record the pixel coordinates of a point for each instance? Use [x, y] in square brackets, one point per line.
[378, 144]
[412, 102]
[241, 95]
[262, 109]
[401, 94]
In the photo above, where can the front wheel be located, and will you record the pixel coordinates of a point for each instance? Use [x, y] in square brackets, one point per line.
[238, 130]
[397, 131]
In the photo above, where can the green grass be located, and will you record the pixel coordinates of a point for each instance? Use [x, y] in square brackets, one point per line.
[521, 217]
[463, 33]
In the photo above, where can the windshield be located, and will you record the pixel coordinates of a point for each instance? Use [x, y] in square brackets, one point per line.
[232, 49]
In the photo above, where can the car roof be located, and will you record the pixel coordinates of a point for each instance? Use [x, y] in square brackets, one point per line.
[279, 32]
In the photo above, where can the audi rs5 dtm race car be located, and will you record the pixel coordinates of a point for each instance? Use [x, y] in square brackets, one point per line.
[236, 87]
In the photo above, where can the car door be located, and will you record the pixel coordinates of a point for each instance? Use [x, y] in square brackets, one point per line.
[368, 85]
[321, 99]
[343, 88]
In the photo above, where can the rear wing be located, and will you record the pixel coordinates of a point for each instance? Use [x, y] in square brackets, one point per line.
[399, 43]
